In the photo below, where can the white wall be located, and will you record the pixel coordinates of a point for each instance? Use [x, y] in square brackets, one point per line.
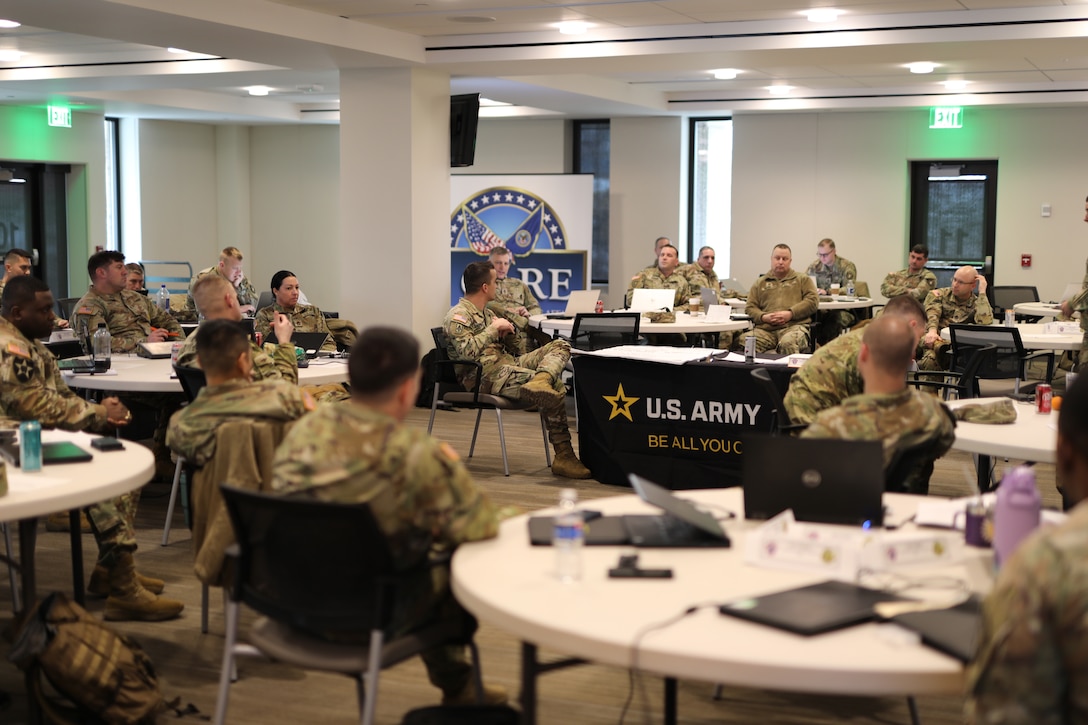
[801, 177]
[516, 146]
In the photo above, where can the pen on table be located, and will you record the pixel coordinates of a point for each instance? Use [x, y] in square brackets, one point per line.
[168, 333]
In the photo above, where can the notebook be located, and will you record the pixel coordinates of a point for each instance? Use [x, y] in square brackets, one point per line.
[953, 631]
[652, 300]
[60, 452]
[810, 610]
[580, 302]
[154, 350]
[311, 342]
[822, 479]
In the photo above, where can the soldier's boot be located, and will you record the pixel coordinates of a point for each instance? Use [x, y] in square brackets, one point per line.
[59, 522]
[99, 586]
[565, 463]
[540, 391]
[492, 695]
[129, 601]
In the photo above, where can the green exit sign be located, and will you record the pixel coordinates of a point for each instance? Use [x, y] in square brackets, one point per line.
[60, 116]
[946, 117]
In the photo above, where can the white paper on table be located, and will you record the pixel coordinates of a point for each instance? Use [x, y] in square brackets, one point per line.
[27, 482]
[941, 512]
[718, 313]
[652, 353]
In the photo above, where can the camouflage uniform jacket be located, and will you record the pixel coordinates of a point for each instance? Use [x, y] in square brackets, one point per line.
[829, 377]
[794, 292]
[470, 336]
[270, 362]
[192, 429]
[900, 420]
[837, 273]
[653, 279]
[1031, 666]
[511, 294]
[904, 282]
[247, 295]
[419, 492]
[1079, 302]
[129, 316]
[943, 309]
[31, 387]
[306, 318]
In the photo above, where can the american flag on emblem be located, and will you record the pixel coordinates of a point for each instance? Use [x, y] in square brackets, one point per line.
[479, 237]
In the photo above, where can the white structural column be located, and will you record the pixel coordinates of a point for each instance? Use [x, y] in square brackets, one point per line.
[394, 198]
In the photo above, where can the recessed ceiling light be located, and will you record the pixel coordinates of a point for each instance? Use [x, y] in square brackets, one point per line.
[258, 90]
[470, 19]
[573, 27]
[955, 85]
[779, 90]
[7, 56]
[921, 67]
[725, 74]
[9, 23]
[823, 15]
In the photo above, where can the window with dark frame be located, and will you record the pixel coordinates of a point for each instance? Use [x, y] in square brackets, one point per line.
[592, 155]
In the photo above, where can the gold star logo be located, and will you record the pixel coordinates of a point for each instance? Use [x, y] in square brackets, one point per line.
[621, 404]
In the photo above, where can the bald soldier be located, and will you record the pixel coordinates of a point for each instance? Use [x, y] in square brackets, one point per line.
[831, 375]
[31, 388]
[889, 411]
[226, 358]
[417, 489]
[475, 333]
[955, 305]
[781, 303]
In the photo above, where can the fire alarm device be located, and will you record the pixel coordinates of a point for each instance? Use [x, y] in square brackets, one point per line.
[1025, 261]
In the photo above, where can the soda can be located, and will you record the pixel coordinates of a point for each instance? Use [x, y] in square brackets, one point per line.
[30, 446]
[175, 348]
[1043, 395]
[600, 307]
[258, 338]
[1010, 318]
[750, 348]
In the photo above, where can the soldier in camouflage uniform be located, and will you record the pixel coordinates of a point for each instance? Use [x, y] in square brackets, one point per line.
[305, 318]
[513, 299]
[475, 333]
[31, 388]
[231, 394]
[658, 244]
[955, 305]
[134, 277]
[831, 375]
[1031, 664]
[215, 300]
[889, 411]
[781, 303]
[915, 280]
[1079, 303]
[663, 276]
[830, 269]
[17, 264]
[701, 274]
[417, 489]
[230, 269]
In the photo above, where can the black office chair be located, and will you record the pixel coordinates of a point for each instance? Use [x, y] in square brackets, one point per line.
[1010, 359]
[448, 390]
[781, 424]
[313, 567]
[954, 384]
[66, 306]
[192, 380]
[1005, 296]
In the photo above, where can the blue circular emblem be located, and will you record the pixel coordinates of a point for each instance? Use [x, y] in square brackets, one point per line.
[506, 217]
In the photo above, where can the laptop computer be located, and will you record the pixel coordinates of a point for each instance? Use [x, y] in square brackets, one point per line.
[822, 479]
[311, 342]
[580, 302]
[652, 300]
[810, 610]
[953, 631]
[154, 350]
[708, 297]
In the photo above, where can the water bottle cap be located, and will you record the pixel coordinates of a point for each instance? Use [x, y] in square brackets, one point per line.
[101, 325]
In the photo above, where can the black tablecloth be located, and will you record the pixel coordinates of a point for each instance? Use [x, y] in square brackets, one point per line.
[681, 426]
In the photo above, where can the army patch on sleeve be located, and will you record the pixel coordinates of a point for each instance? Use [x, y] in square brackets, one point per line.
[84, 311]
[16, 349]
[459, 318]
[448, 452]
[23, 369]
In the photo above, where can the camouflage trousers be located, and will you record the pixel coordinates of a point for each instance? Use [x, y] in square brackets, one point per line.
[327, 393]
[506, 379]
[113, 525]
[164, 405]
[1082, 357]
[833, 323]
[786, 340]
[939, 357]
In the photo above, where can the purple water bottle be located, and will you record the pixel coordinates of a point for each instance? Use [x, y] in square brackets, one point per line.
[1016, 514]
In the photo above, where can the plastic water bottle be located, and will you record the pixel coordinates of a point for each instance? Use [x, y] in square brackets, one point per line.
[1016, 513]
[100, 346]
[850, 289]
[30, 446]
[164, 299]
[568, 537]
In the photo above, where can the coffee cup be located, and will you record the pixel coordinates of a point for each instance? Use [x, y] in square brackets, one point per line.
[835, 287]
[695, 306]
[978, 526]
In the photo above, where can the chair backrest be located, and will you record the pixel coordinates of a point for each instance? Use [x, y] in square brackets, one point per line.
[66, 306]
[317, 565]
[265, 300]
[1005, 296]
[782, 421]
[191, 379]
[732, 283]
[176, 275]
[607, 329]
[1007, 359]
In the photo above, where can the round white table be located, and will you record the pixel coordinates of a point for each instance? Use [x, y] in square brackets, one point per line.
[129, 374]
[510, 584]
[841, 302]
[1033, 437]
[1035, 337]
[685, 323]
[1037, 309]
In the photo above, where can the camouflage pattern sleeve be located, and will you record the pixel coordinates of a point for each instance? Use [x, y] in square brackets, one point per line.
[894, 284]
[247, 293]
[86, 315]
[262, 321]
[927, 285]
[810, 301]
[531, 303]
[469, 335]
[1031, 665]
[934, 308]
[163, 320]
[187, 354]
[275, 362]
[190, 303]
[1079, 301]
[849, 269]
[984, 314]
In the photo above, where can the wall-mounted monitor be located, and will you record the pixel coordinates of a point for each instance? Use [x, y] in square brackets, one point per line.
[464, 117]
